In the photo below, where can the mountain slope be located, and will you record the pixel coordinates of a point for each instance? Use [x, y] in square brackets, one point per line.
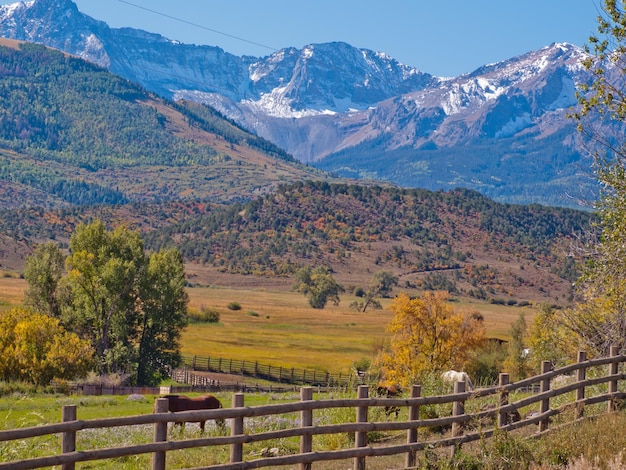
[358, 112]
[73, 133]
[459, 241]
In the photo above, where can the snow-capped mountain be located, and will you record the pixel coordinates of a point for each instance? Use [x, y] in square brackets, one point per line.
[500, 129]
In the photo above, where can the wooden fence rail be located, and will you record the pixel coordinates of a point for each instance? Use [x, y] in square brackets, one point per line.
[273, 373]
[464, 426]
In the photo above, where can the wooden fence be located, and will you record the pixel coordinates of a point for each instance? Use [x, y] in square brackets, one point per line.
[273, 373]
[492, 410]
[195, 382]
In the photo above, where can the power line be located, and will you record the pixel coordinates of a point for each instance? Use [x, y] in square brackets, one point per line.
[198, 25]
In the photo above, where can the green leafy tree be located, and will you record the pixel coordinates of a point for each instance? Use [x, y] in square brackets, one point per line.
[104, 270]
[162, 317]
[517, 361]
[548, 339]
[381, 286]
[43, 272]
[130, 306]
[318, 285]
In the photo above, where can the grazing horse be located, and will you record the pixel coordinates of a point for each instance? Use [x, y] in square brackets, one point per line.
[184, 403]
[452, 376]
[389, 391]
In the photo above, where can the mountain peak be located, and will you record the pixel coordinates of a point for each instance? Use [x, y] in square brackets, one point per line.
[320, 101]
[58, 4]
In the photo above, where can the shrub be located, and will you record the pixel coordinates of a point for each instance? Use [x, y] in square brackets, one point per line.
[17, 387]
[362, 365]
[204, 315]
[252, 313]
[234, 306]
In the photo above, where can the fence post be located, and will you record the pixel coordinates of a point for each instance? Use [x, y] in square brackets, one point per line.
[306, 418]
[236, 429]
[160, 434]
[504, 400]
[458, 409]
[613, 368]
[411, 437]
[581, 374]
[360, 437]
[546, 366]
[68, 441]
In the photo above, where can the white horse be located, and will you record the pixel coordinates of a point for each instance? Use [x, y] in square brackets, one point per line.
[452, 376]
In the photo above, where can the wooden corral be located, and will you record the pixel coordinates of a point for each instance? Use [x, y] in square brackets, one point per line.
[461, 424]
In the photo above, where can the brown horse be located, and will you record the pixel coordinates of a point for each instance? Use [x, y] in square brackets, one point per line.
[389, 391]
[183, 403]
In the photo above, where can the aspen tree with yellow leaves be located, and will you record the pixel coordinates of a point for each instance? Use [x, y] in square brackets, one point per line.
[36, 348]
[428, 335]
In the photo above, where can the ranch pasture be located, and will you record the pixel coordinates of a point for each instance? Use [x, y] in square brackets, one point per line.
[278, 327]
[285, 431]
[330, 339]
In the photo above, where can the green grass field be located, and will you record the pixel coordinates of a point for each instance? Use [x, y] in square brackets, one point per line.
[584, 444]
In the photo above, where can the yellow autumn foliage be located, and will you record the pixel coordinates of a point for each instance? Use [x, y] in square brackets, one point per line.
[427, 335]
[36, 348]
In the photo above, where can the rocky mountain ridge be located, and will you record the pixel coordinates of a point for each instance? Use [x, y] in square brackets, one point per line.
[357, 112]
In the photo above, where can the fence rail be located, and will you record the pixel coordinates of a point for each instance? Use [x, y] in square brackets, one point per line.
[462, 426]
[273, 373]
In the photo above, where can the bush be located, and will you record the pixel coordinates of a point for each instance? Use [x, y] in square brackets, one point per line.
[234, 306]
[252, 313]
[17, 387]
[205, 315]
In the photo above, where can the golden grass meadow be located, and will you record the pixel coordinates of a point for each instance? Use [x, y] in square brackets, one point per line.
[277, 326]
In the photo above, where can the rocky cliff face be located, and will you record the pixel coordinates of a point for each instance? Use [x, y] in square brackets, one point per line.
[343, 108]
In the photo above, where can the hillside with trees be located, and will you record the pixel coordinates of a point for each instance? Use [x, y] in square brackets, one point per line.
[72, 133]
[459, 241]
[78, 143]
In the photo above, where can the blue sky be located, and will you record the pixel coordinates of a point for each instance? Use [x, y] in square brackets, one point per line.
[444, 38]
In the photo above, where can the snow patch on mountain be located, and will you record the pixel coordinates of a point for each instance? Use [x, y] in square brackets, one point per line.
[516, 124]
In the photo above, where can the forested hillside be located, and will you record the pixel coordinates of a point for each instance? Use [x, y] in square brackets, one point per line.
[459, 241]
[72, 133]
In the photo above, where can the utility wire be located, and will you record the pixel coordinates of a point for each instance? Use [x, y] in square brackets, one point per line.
[198, 25]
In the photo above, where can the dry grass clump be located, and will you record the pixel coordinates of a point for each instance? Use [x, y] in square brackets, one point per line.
[594, 443]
